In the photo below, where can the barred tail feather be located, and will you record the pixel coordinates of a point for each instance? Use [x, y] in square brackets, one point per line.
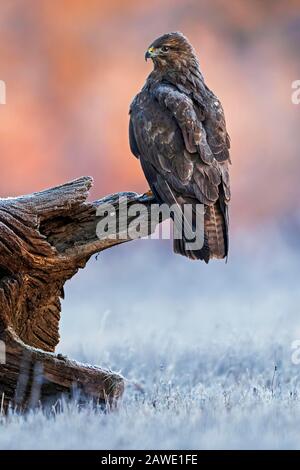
[215, 229]
[215, 237]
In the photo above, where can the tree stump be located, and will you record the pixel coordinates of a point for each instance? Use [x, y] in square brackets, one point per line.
[45, 238]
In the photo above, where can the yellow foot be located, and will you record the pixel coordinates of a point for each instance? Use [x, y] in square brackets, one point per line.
[149, 193]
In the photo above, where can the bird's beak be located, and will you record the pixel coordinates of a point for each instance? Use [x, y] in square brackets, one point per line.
[150, 53]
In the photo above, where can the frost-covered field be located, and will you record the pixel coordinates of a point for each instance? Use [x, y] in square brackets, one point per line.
[198, 345]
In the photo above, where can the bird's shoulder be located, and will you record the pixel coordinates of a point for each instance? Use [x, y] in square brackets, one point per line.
[140, 99]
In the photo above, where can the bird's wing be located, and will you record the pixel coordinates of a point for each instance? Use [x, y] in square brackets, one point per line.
[203, 163]
[215, 125]
[132, 140]
[157, 139]
[171, 139]
[183, 111]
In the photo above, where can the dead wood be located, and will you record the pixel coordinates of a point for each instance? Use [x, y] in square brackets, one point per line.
[45, 238]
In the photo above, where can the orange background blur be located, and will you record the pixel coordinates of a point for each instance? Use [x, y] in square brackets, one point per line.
[72, 67]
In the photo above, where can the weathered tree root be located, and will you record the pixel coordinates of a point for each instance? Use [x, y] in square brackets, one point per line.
[45, 238]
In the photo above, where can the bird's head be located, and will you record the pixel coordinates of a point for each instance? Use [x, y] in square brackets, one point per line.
[170, 51]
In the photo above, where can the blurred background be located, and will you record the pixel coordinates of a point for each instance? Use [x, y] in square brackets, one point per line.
[71, 69]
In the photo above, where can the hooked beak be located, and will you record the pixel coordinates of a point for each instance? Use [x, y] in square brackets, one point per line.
[150, 53]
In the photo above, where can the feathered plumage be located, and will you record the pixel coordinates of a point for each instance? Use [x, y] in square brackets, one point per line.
[177, 129]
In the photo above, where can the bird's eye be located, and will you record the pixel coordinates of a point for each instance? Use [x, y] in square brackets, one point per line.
[165, 48]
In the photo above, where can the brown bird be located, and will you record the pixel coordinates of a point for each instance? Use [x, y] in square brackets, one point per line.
[177, 129]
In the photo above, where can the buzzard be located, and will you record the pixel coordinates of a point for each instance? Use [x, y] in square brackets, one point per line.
[177, 129]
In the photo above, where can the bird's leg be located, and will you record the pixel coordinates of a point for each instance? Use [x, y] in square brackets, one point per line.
[149, 193]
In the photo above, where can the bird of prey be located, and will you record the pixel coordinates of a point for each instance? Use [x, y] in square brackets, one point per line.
[177, 129]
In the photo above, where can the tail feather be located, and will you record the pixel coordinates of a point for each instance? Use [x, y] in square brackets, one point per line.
[214, 226]
[215, 220]
[180, 248]
[215, 237]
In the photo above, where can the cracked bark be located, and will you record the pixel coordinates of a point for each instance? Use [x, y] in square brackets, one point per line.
[45, 238]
